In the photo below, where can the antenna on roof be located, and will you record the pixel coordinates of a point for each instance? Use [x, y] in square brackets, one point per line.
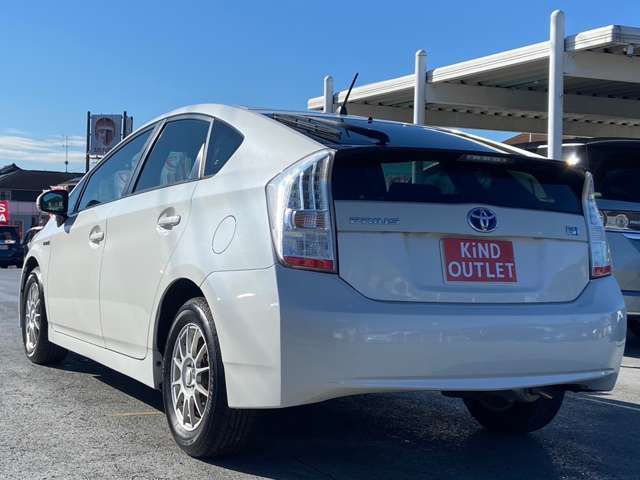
[343, 107]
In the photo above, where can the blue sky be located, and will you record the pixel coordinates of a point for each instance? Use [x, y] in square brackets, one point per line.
[60, 59]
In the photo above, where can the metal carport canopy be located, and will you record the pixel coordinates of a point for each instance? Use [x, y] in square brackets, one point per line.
[600, 70]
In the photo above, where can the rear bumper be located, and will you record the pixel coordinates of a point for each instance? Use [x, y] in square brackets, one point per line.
[336, 342]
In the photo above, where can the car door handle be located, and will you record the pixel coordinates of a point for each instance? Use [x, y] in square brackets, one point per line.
[96, 237]
[169, 221]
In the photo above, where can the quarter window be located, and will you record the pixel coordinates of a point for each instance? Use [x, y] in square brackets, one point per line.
[111, 178]
[176, 155]
[223, 143]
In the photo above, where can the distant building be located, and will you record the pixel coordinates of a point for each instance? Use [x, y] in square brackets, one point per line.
[20, 188]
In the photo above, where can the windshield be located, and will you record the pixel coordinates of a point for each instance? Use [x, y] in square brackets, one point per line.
[616, 170]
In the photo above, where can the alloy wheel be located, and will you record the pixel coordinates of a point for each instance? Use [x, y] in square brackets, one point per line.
[190, 376]
[32, 318]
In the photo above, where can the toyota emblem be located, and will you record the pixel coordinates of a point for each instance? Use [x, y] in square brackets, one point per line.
[482, 219]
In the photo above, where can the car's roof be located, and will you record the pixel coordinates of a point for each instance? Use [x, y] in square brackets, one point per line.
[345, 131]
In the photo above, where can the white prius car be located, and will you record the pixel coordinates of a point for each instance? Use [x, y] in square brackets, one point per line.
[245, 259]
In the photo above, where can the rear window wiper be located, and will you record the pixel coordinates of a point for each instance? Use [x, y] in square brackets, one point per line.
[307, 125]
[378, 135]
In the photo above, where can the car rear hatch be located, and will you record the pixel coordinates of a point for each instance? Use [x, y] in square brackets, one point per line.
[418, 225]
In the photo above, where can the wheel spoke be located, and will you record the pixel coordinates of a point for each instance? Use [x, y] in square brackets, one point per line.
[199, 408]
[201, 370]
[203, 391]
[177, 363]
[185, 410]
[182, 354]
[194, 342]
[192, 414]
[200, 354]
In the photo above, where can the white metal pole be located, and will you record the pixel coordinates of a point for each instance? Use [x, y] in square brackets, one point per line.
[556, 84]
[328, 94]
[420, 88]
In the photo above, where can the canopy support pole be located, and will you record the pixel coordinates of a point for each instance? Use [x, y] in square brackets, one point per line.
[556, 84]
[420, 88]
[328, 94]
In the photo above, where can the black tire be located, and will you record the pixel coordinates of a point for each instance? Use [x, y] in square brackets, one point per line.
[43, 351]
[515, 416]
[221, 430]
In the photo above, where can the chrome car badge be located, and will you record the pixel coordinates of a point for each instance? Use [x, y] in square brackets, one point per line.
[482, 219]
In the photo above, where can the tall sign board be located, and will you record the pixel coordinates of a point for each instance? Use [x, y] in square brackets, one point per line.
[104, 131]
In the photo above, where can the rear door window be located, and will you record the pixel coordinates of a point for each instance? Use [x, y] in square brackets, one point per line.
[176, 155]
[451, 177]
[223, 143]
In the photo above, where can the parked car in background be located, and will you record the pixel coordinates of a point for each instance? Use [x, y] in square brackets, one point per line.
[28, 236]
[11, 252]
[615, 166]
[244, 259]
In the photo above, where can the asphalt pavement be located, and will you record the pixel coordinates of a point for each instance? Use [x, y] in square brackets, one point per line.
[79, 420]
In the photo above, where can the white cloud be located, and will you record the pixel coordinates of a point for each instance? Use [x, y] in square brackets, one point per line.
[14, 131]
[23, 149]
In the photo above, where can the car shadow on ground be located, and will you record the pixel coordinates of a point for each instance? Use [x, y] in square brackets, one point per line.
[123, 383]
[408, 435]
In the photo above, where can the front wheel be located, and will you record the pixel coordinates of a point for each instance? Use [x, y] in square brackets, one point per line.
[511, 416]
[33, 322]
[194, 390]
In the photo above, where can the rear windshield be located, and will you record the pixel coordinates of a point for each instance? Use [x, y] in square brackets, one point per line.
[452, 177]
[8, 233]
[616, 171]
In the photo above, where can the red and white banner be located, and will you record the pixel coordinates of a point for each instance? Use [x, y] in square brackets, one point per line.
[474, 260]
[4, 212]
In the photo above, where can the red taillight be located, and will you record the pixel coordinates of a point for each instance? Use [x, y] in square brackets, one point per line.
[311, 263]
[601, 271]
[600, 257]
[300, 214]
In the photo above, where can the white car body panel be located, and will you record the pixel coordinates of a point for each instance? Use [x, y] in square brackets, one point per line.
[289, 337]
[73, 305]
[135, 256]
[402, 262]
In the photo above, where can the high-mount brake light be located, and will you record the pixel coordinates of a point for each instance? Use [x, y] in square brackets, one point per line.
[299, 204]
[600, 256]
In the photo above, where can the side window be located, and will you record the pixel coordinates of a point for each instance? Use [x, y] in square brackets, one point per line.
[112, 177]
[223, 143]
[74, 194]
[176, 155]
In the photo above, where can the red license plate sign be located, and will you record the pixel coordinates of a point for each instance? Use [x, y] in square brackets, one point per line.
[474, 260]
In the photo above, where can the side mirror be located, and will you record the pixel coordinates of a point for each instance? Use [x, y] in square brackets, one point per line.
[55, 202]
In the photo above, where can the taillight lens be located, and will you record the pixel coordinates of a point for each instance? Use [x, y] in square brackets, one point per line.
[598, 245]
[299, 204]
